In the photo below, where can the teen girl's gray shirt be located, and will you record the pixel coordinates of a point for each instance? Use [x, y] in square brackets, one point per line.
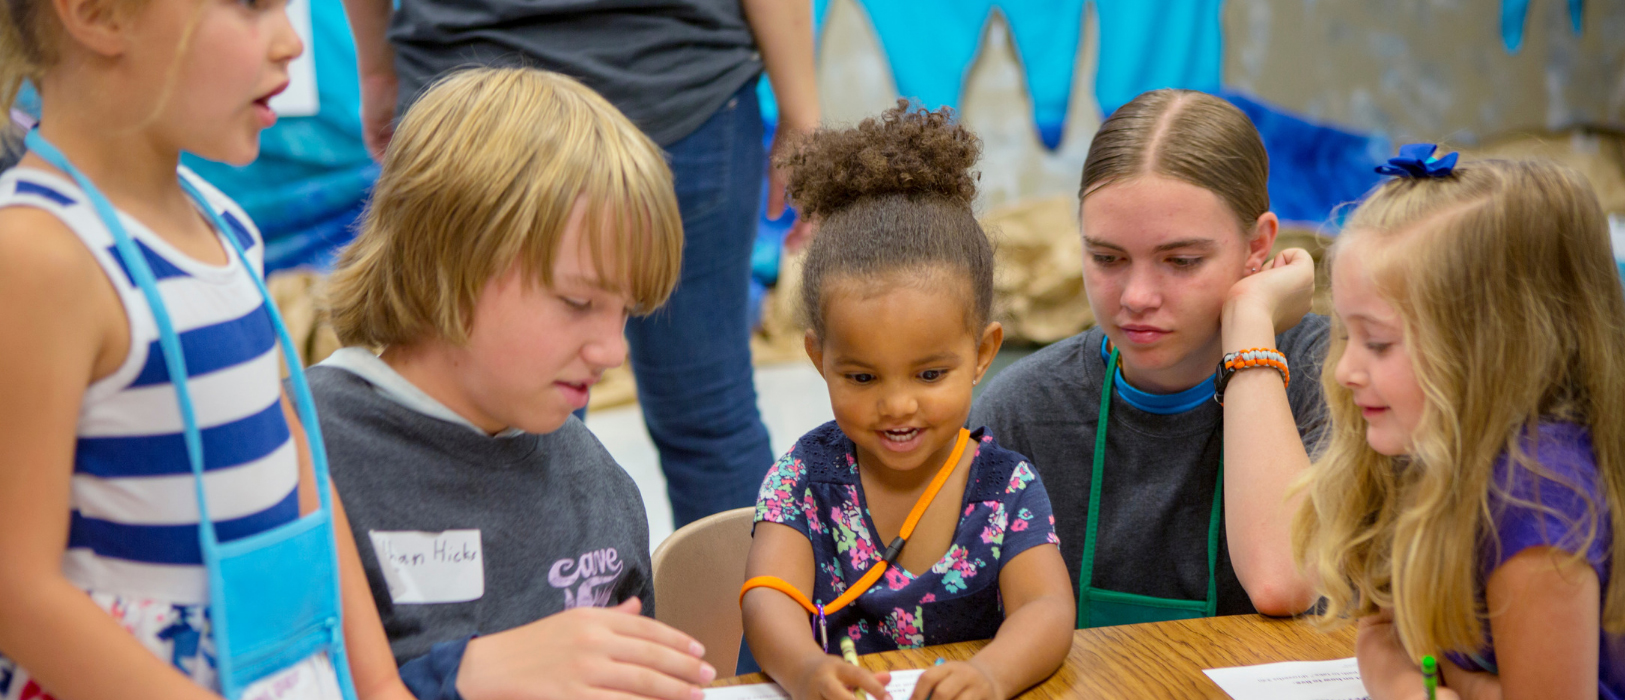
[463, 534]
[1157, 490]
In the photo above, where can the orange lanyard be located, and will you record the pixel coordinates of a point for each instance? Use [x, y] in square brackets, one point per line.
[875, 572]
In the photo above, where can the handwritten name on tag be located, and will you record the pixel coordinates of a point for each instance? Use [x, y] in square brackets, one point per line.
[431, 567]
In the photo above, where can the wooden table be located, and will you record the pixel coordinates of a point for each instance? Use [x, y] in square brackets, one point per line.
[1155, 660]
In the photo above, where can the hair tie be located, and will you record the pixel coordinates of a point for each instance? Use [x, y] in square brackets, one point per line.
[1416, 160]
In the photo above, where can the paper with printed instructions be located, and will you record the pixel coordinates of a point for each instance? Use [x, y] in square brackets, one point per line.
[901, 688]
[1338, 679]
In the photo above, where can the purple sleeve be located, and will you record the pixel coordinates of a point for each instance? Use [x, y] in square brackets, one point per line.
[1559, 508]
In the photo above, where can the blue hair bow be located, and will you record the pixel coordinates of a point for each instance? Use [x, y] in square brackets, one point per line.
[1416, 160]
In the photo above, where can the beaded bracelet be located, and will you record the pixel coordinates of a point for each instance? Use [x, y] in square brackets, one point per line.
[1247, 359]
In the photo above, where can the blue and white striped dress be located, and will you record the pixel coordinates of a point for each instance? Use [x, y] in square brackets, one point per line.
[133, 541]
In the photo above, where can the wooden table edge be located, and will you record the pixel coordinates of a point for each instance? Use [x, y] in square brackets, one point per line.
[1151, 660]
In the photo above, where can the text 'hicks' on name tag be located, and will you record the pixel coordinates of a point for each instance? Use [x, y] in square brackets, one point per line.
[431, 567]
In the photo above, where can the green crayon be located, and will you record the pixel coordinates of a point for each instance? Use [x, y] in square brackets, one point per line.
[1430, 676]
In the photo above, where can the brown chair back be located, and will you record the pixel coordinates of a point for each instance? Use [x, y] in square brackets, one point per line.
[698, 572]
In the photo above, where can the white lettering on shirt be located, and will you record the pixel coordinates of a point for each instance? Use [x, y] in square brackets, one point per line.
[594, 571]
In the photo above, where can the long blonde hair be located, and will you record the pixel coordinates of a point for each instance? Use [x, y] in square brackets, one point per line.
[485, 170]
[1513, 315]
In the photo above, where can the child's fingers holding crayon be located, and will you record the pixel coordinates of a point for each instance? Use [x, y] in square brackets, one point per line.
[872, 683]
[835, 679]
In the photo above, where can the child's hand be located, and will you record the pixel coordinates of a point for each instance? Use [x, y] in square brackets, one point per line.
[1385, 666]
[585, 652]
[831, 678]
[1283, 289]
[957, 680]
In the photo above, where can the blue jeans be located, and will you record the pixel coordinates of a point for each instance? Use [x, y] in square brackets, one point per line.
[692, 356]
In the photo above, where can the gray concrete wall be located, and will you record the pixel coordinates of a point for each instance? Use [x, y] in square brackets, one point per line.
[1429, 70]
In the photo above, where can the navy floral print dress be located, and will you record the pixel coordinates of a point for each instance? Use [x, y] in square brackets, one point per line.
[815, 489]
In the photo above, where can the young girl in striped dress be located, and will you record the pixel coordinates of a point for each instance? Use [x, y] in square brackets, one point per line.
[103, 590]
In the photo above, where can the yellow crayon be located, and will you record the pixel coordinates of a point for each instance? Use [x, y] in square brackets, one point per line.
[849, 651]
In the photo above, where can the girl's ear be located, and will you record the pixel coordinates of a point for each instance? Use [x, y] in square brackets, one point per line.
[815, 351]
[988, 348]
[1262, 240]
[94, 24]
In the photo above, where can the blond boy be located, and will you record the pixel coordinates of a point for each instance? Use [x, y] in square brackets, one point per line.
[518, 221]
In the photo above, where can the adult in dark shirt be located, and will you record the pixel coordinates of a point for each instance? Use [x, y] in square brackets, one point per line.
[684, 71]
[1169, 504]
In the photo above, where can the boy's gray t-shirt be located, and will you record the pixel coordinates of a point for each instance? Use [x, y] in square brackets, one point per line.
[1160, 470]
[666, 64]
[559, 523]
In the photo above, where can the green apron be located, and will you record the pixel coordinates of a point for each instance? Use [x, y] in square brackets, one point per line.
[1098, 607]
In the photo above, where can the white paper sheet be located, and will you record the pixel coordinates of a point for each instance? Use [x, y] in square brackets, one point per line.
[901, 687]
[1292, 680]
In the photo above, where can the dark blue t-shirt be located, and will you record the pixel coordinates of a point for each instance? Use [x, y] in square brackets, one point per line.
[1557, 509]
[815, 489]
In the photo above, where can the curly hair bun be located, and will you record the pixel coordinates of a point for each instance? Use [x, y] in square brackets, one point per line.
[907, 151]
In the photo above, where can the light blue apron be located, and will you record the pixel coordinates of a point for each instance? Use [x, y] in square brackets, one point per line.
[273, 596]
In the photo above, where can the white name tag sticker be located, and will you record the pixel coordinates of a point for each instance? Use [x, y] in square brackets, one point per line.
[431, 567]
